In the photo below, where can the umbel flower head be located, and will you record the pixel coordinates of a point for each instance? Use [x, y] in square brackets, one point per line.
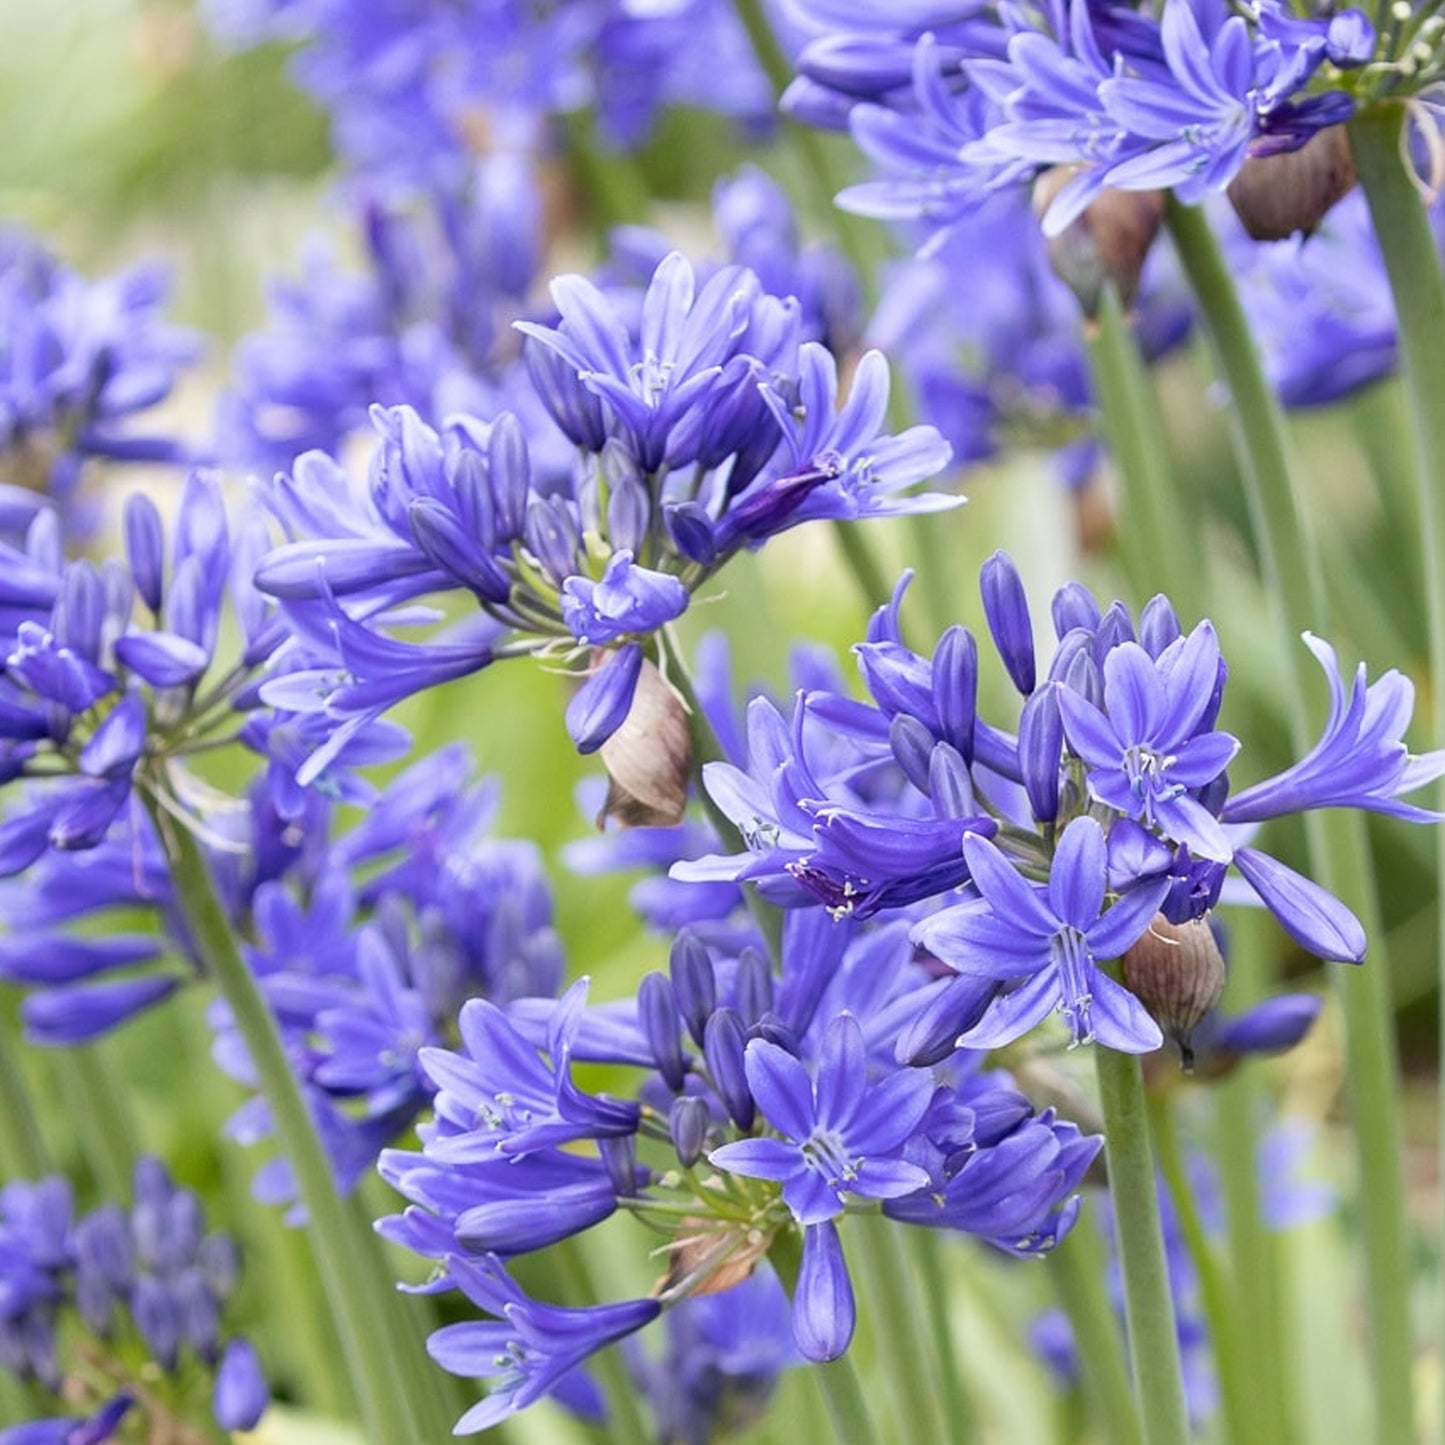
[776, 1098]
[1050, 849]
[709, 430]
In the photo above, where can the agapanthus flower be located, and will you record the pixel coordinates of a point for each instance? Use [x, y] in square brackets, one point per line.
[710, 430]
[774, 1101]
[405, 85]
[1109, 804]
[113, 1287]
[81, 359]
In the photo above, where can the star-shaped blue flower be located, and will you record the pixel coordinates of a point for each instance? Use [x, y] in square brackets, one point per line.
[1053, 935]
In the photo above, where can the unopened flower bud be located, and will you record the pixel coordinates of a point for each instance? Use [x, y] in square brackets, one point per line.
[1106, 245]
[1177, 972]
[648, 757]
[1275, 196]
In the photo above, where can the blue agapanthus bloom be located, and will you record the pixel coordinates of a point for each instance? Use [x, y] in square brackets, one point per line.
[776, 1097]
[965, 101]
[120, 1309]
[405, 85]
[710, 430]
[79, 361]
[1051, 848]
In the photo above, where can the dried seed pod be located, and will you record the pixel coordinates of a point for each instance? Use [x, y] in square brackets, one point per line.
[1106, 245]
[1177, 972]
[1275, 196]
[648, 757]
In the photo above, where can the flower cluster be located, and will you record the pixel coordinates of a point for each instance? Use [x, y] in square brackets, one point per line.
[1109, 805]
[413, 89]
[147, 1277]
[958, 102]
[775, 1100]
[709, 428]
[80, 359]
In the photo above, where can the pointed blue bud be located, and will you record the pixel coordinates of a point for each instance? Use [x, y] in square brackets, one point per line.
[145, 548]
[1041, 751]
[692, 533]
[950, 785]
[724, 1043]
[80, 610]
[912, 745]
[455, 551]
[657, 1013]
[158, 1320]
[824, 1311]
[199, 1312]
[629, 508]
[1006, 607]
[552, 538]
[602, 703]
[619, 1159]
[1116, 627]
[241, 1394]
[687, 1122]
[694, 984]
[1074, 606]
[955, 688]
[1158, 625]
[117, 742]
[754, 985]
[953, 1006]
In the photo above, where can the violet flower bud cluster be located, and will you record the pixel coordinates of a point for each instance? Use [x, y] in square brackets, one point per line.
[149, 1279]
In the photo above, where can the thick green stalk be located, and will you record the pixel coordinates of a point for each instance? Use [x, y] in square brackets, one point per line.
[1290, 564]
[927, 1248]
[349, 1260]
[1216, 1290]
[1240, 1102]
[886, 1277]
[1155, 511]
[23, 1152]
[1148, 1302]
[1412, 262]
[1080, 1277]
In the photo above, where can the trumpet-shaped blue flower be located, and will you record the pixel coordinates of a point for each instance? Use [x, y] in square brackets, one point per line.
[1360, 761]
[1054, 936]
[839, 1136]
[530, 1347]
[1148, 748]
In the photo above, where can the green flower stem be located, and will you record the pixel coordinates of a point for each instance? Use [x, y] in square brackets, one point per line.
[885, 1275]
[1080, 1272]
[625, 1420]
[1155, 511]
[348, 1259]
[608, 181]
[1412, 262]
[1148, 1303]
[867, 572]
[1241, 1418]
[23, 1151]
[1290, 565]
[927, 1248]
[1253, 1251]
[97, 1101]
[1288, 558]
